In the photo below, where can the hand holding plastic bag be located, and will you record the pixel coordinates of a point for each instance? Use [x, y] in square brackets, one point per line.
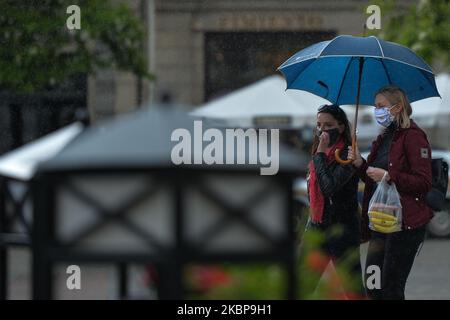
[385, 208]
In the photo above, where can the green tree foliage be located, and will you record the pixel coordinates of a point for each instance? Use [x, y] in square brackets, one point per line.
[424, 27]
[37, 50]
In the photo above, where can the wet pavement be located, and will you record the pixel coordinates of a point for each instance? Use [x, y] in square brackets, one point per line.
[429, 278]
[430, 275]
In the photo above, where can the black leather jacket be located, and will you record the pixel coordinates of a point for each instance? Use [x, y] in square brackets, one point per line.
[339, 186]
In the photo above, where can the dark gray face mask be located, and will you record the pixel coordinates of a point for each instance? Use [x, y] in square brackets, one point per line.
[333, 133]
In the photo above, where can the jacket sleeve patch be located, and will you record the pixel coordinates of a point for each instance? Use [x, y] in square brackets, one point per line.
[424, 153]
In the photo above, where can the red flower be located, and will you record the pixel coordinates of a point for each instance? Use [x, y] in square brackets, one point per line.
[317, 261]
[207, 277]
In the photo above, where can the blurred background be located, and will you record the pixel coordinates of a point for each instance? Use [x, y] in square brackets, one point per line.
[218, 60]
[130, 54]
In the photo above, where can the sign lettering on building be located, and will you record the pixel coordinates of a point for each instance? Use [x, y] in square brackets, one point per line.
[255, 21]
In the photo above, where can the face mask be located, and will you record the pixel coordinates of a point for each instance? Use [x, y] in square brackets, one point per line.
[333, 133]
[384, 116]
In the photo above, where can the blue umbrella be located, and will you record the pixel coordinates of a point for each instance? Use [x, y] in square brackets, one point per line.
[350, 70]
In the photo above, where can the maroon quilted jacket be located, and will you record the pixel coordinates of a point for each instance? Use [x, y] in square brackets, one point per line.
[410, 170]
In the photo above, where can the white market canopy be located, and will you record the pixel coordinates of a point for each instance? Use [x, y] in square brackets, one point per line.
[434, 111]
[22, 162]
[267, 98]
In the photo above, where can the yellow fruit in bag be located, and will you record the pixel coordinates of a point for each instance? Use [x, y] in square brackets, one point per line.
[382, 216]
[383, 222]
[382, 229]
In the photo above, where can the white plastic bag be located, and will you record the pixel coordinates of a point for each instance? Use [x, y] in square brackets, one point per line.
[385, 209]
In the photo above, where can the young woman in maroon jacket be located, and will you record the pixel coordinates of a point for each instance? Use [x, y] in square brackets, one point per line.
[403, 154]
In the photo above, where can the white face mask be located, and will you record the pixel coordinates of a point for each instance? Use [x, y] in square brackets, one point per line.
[384, 116]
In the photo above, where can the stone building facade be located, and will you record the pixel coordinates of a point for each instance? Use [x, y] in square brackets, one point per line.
[200, 49]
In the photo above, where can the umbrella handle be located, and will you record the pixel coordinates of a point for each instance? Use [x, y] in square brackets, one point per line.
[337, 154]
[354, 143]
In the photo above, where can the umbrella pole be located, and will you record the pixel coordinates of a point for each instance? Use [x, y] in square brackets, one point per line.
[355, 123]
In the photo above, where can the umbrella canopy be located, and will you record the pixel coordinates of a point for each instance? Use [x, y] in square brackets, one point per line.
[330, 69]
[350, 70]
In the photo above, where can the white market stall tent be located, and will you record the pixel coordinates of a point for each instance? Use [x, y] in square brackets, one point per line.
[267, 103]
[263, 103]
[433, 114]
[432, 111]
[22, 162]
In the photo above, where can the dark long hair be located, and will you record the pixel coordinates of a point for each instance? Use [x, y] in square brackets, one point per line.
[339, 115]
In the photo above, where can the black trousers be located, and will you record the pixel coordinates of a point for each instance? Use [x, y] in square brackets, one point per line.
[394, 254]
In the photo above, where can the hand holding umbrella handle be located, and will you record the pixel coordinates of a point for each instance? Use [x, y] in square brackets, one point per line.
[337, 154]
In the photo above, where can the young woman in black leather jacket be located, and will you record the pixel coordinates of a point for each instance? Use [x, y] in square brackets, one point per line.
[332, 190]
